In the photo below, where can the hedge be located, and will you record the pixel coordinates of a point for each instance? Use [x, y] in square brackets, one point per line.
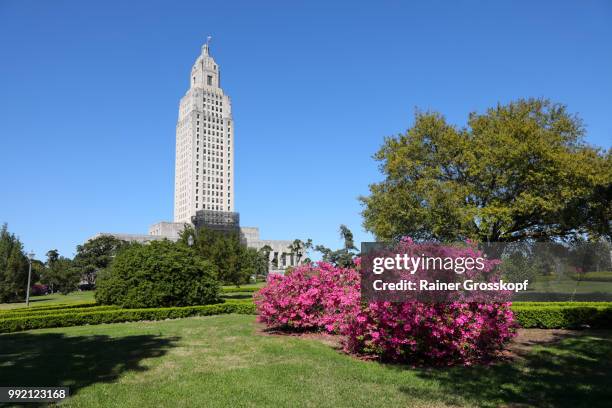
[564, 304]
[14, 324]
[27, 312]
[553, 315]
[48, 307]
[563, 317]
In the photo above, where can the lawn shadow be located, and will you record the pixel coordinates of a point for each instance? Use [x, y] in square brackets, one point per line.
[237, 295]
[575, 372]
[53, 359]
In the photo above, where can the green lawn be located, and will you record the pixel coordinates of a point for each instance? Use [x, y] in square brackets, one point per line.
[226, 361]
[56, 298]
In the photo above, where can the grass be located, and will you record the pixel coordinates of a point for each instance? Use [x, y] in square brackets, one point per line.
[56, 298]
[225, 361]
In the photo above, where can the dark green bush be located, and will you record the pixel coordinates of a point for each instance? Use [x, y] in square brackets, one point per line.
[158, 274]
[14, 324]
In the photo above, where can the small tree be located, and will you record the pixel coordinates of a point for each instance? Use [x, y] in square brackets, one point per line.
[299, 248]
[342, 257]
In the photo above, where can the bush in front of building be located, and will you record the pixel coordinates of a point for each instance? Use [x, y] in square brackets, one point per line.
[158, 274]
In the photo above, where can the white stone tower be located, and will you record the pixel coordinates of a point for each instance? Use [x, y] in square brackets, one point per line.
[204, 164]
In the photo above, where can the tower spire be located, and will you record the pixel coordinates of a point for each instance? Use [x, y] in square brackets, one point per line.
[206, 47]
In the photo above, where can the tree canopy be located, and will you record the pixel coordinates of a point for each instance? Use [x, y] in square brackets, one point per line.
[13, 267]
[234, 261]
[60, 273]
[96, 255]
[518, 171]
[344, 256]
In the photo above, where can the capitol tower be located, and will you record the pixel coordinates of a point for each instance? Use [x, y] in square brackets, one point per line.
[204, 166]
[204, 171]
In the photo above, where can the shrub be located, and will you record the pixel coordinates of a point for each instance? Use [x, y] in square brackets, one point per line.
[39, 289]
[437, 333]
[158, 274]
[313, 296]
[323, 296]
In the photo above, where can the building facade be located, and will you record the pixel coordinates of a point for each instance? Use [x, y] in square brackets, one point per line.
[204, 166]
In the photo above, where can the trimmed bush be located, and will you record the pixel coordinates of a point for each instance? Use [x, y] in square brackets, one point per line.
[58, 311]
[158, 274]
[56, 306]
[563, 317]
[14, 324]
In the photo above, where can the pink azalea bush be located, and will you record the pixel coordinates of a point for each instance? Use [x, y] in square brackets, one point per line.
[321, 296]
[436, 333]
[313, 296]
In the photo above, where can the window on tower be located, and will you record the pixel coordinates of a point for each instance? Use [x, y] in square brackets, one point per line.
[208, 80]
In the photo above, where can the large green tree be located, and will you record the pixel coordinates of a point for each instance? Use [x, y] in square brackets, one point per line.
[96, 255]
[234, 261]
[60, 273]
[518, 171]
[13, 267]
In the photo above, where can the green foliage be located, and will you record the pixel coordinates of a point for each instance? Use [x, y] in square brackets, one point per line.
[96, 255]
[563, 315]
[13, 324]
[343, 257]
[518, 171]
[60, 273]
[160, 273]
[13, 267]
[234, 261]
[519, 267]
[299, 248]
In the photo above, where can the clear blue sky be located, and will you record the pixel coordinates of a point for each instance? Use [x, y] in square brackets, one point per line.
[89, 94]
